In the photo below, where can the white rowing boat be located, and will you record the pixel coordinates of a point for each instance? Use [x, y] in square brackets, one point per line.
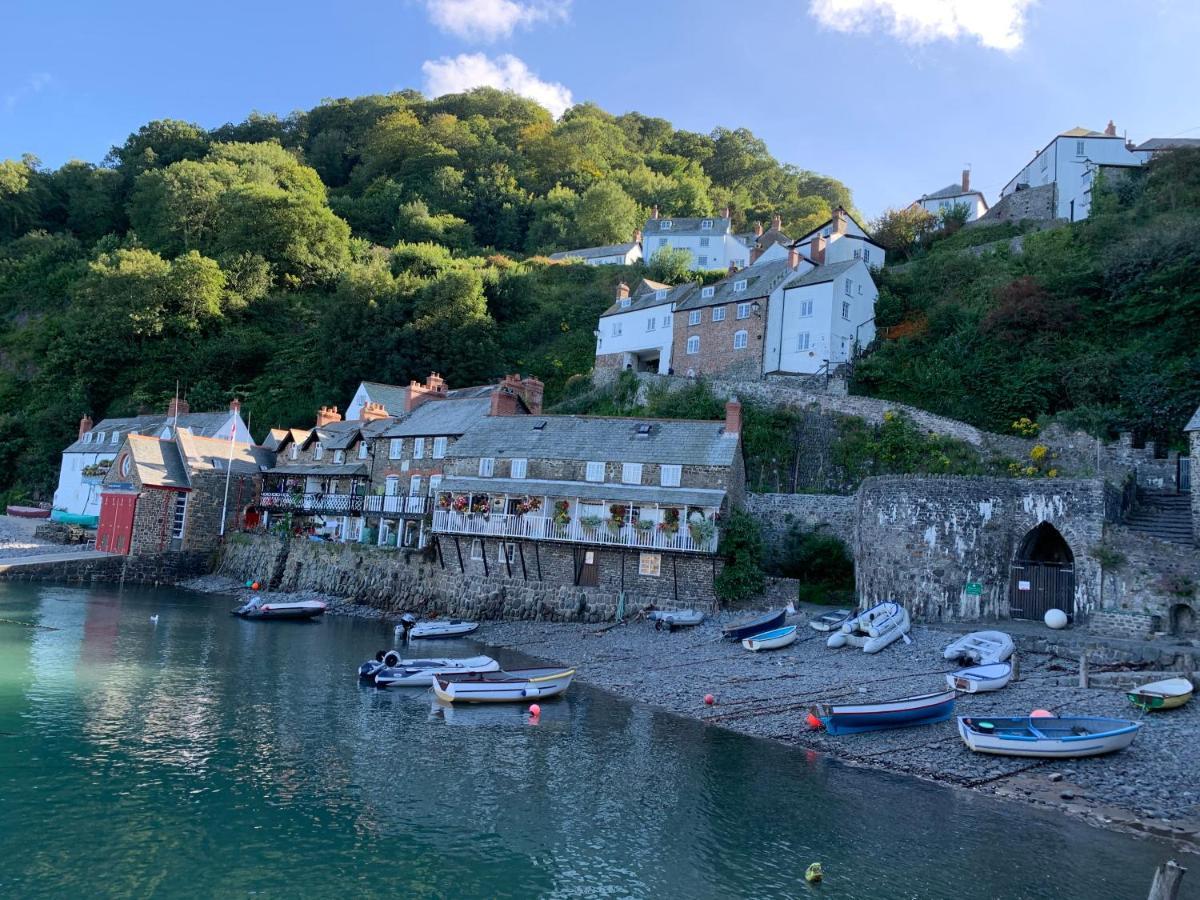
[420, 672]
[981, 679]
[1053, 737]
[512, 686]
[771, 640]
[1169, 693]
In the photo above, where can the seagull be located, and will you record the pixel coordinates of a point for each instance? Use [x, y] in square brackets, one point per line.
[154, 618]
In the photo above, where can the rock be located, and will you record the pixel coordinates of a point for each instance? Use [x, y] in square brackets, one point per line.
[1056, 776]
[1067, 795]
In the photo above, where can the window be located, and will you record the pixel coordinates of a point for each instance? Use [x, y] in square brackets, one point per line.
[740, 284]
[519, 467]
[1079, 148]
[651, 324]
[702, 261]
[180, 517]
[418, 448]
[668, 476]
[806, 308]
[743, 311]
[486, 466]
[362, 450]
[390, 485]
[703, 242]
[625, 303]
[707, 291]
[857, 254]
[616, 329]
[595, 471]
[99, 437]
[414, 486]
[123, 465]
[866, 254]
[650, 564]
[1043, 163]
[849, 288]
[739, 340]
[718, 314]
[319, 451]
[87, 438]
[339, 457]
[803, 341]
[506, 552]
[435, 484]
[706, 225]
[665, 225]
[662, 242]
[694, 317]
[667, 321]
[395, 448]
[631, 473]
[477, 549]
[439, 448]
[114, 437]
[860, 290]
[693, 344]
[294, 452]
[845, 309]
[660, 294]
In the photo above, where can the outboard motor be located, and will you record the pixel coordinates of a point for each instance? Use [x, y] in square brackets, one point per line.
[391, 659]
[368, 669]
[407, 621]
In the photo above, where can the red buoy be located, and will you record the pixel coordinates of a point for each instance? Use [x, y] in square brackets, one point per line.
[535, 710]
[813, 721]
[709, 699]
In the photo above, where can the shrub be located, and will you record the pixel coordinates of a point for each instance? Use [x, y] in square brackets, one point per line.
[821, 563]
[742, 550]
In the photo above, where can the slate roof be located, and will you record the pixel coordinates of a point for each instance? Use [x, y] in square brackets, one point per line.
[1168, 144]
[669, 441]
[1194, 423]
[648, 297]
[206, 454]
[821, 274]
[760, 280]
[950, 190]
[344, 471]
[203, 424]
[436, 418]
[392, 396]
[720, 225]
[158, 462]
[594, 252]
[585, 490]
[339, 435]
[275, 438]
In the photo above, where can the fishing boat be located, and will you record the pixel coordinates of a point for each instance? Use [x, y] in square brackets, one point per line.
[1055, 737]
[1168, 694]
[451, 628]
[300, 609]
[771, 640]
[737, 631]
[830, 621]
[670, 620]
[980, 648]
[872, 629]
[396, 672]
[906, 711]
[28, 512]
[981, 679]
[512, 686]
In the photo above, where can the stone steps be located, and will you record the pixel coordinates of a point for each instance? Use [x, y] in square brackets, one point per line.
[1167, 517]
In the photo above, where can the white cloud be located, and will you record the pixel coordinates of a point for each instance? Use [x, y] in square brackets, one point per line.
[487, 20]
[998, 24]
[452, 75]
[32, 85]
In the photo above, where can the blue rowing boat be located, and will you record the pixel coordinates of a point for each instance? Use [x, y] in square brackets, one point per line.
[902, 713]
[737, 631]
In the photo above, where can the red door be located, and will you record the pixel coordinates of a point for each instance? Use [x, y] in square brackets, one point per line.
[116, 522]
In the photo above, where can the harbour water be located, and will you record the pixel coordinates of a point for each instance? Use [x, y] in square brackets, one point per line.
[206, 756]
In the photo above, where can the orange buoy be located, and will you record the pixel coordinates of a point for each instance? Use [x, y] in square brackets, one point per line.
[813, 721]
[1041, 714]
[535, 710]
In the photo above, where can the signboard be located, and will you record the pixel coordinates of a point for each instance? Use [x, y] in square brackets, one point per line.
[1023, 586]
[974, 589]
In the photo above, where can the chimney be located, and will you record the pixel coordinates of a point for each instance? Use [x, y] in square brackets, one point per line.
[755, 253]
[328, 414]
[966, 184]
[793, 257]
[726, 215]
[654, 212]
[758, 229]
[622, 291]
[732, 268]
[532, 390]
[776, 222]
[235, 406]
[434, 388]
[505, 396]
[177, 407]
[371, 411]
[733, 418]
[1111, 129]
[839, 221]
[816, 250]
[85, 425]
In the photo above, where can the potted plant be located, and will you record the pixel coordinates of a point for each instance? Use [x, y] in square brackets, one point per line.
[702, 530]
[670, 523]
[644, 527]
[562, 512]
[591, 523]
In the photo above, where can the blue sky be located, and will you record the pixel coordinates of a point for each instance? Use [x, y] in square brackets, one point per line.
[893, 97]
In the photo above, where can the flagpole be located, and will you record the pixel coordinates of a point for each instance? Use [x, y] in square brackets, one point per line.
[228, 475]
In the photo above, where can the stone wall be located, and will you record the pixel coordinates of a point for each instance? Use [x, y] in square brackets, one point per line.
[717, 356]
[776, 513]
[202, 530]
[155, 568]
[1116, 623]
[152, 520]
[1037, 203]
[1194, 462]
[1153, 578]
[921, 540]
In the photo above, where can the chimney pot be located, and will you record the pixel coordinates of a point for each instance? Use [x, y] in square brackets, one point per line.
[733, 418]
[372, 411]
[235, 405]
[758, 229]
[532, 391]
[816, 250]
[327, 415]
[654, 212]
[622, 291]
[85, 425]
[839, 221]
[776, 222]
[177, 406]
[1110, 129]
[966, 180]
[793, 257]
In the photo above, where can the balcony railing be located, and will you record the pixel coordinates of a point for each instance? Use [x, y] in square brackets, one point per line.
[542, 528]
[397, 504]
[322, 504]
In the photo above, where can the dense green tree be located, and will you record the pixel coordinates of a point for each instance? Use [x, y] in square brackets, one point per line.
[606, 215]
[671, 265]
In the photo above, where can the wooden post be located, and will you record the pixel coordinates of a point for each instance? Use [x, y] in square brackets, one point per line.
[1016, 668]
[1083, 669]
[1167, 878]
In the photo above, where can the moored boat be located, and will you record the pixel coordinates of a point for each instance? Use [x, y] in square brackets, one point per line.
[851, 718]
[300, 609]
[1170, 693]
[980, 648]
[512, 686]
[420, 672]
[672, 619]
[1056, 737]
[873, 629]
[830, 621]
[27, 512]
[449, 628]
[771, 640]
[737, 631]
[981, 679]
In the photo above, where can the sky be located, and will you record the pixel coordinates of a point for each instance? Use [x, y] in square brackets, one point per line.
[893, 97]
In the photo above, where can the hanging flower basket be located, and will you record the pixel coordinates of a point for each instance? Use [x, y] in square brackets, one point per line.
[702, 530]
[591, 523]
[562, 512]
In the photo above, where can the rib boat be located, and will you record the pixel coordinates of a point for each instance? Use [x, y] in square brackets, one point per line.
[1054, 737]
[512, 686]
[420, 672]
[672, 619]
[980, 648]
[450, 628]
[872, 629]
[924, 709]
[301, 609]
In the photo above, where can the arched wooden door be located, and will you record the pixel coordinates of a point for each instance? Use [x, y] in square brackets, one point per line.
[1042, 575]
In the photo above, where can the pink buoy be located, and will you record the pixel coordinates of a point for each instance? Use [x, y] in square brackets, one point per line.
[709, 699]
[535, 710]
[1041, 714]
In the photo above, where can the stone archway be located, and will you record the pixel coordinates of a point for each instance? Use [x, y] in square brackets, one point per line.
[1182, 620]
[1042, 575]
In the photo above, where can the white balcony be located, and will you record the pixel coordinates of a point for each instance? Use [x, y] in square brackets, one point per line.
[396, 504]
[544, 528]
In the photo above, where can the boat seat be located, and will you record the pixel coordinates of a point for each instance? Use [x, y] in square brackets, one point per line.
[1079, 730]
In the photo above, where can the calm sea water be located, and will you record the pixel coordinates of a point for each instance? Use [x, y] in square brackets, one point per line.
[204, 756]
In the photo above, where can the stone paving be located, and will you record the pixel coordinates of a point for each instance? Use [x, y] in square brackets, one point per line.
[17, 540]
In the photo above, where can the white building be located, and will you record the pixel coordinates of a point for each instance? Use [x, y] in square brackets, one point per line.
[612, 255]
[711, 241]
[822, 315]
[85, 462]
[953, 195]
[637, 330]
[1070, 162]
[839, 239]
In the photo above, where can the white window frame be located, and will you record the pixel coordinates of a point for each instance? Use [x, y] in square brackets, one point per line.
[694, 317]
[179, 515]
[806, 308]
[707, 291]
[651, 323]
[665, 225]
[866, 254]
[477, 549]
[669, 474]
[849, 288]
[846, 310]
[319, 451]
[363, 449]
[418, 448]
[594, 472]
[693, 344]
[487, 465]
[396, 448]
[625, 303]
[631, 473]
[667, 321]
[718, 314]
[616, 329]
[739, 285]
[339, 457]
[660, 294]
[87, 438]
[706, 224]
[435, 484]
[114, 437]
[414, 486]
[1080, 148]
[439, 447]
[391, 485]
[294, 451]
[702, 261]
[518, 468]
[506, 548]
[804, 340]
[741, 340]
[743, 310]
[704, 242]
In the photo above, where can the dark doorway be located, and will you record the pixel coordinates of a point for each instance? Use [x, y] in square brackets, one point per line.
[1183, 620]
[587, 573]
[1042, 575]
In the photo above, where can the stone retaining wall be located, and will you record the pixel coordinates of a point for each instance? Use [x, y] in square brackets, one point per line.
[1114, 623]
[1036, 203]
[154, 568]
[776, 513]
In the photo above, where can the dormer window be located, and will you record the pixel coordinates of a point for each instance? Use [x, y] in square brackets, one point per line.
[294, 453]
[706, 225]
[99, 437]
[339, 457]
[660, 294]
[625, 304]
[115, 436]
[87, 438]
[665, 225]
[739, 285]
[706, 291]
[362, 450]
[319, 451]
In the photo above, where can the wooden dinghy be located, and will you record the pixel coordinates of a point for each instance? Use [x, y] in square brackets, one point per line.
[830, 621]
[873, 629]
[980, 648]
[670, 620]
[420, 672]
[301, 609]
[1170, 693]
[27, 512]
[771, 640]
[901, 713]
[737, 631]
[512, 686]
[1055, 737]
[981, 679]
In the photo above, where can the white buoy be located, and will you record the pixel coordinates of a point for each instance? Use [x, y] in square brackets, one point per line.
[1055, 618]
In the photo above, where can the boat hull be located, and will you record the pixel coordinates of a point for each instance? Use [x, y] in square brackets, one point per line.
[435, 630]
[771, 640]
[874, 629]
[902, 713]
[420, 672]
[1048, 738]
[738, 631]
[281, 611]
[1170, 694]
[830, 621]
[503, 687]
[980, 648]
[980, 679]
[685, 618]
